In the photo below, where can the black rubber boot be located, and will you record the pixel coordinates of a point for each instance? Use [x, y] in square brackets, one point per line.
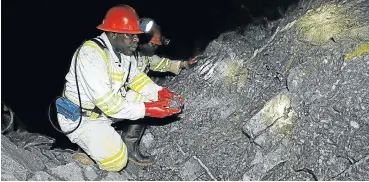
[131, 136]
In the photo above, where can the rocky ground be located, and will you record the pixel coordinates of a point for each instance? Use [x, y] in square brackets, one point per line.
[286, 100]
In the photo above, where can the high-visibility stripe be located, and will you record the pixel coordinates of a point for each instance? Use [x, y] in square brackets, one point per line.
[143, 84]
[116, 106]
[140, 82]
[102, 53]
[94, 115]
[104, 98]
[167, 63]
[162, 66]
[117, 79]
[117, 74]
[115, 162]
[159, 65]
[165, 66]
[138, 79]
[113, 105]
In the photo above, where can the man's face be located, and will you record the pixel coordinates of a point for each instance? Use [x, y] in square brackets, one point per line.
[148, 49]
[126, 43]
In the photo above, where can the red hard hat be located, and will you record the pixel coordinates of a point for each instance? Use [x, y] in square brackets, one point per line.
[121, 19]
[156, 38]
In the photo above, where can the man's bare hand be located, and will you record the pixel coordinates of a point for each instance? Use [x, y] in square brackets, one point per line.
[192, 62]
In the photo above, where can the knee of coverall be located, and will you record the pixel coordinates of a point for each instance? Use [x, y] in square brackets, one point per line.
[103, 144]
[115, 163]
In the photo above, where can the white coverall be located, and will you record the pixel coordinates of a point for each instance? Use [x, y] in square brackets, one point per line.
[102, 79]
[154, 63]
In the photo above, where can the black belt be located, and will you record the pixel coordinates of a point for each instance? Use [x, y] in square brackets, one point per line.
[95, 111]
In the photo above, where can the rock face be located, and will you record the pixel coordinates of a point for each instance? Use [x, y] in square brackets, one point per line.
[288, 100]
[30, 158]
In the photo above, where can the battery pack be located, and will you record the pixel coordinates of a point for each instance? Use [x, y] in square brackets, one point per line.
[67, 108]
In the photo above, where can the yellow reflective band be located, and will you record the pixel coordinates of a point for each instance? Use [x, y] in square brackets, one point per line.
[116, 106]
[114, 161]
[103, 99]
[159, 65]
[166, 66]
[163, 65]
[118, 74]
[143, 84]
[110, 100]
[167, 63]
[94, 115]
[117, 79]
[104, 109]
[137, 80]
[102, 53]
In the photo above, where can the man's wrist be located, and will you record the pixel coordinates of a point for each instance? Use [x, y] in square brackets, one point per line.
[182, 65]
